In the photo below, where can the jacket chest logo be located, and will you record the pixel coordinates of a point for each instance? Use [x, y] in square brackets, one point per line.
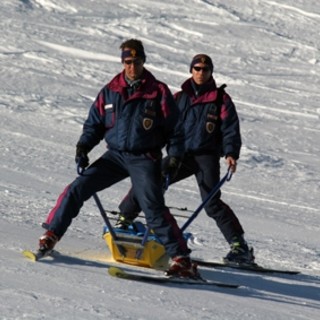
[147, 123]
[211, 120]
[210, 127]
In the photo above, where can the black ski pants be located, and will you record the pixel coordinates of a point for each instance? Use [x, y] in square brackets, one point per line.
[110, 168]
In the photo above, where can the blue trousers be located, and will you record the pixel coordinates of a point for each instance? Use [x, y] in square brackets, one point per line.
[206, 169]
[110, 168]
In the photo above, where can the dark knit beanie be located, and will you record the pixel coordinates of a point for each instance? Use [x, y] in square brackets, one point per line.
[201, 58]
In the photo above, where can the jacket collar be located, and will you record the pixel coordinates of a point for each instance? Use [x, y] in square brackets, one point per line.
[147, 89]
[206, 92]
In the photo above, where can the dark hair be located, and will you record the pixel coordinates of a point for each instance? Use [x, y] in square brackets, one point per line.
[132, 44]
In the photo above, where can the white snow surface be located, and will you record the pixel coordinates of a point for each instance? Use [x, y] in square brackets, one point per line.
[54, 58]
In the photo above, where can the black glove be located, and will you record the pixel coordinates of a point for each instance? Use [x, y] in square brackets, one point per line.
[82, 159]
[171, 167]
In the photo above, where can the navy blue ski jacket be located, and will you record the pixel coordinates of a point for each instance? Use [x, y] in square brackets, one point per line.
[211, 123]
[143, 122]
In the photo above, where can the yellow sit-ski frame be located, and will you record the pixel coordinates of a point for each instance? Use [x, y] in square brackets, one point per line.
[152, 254]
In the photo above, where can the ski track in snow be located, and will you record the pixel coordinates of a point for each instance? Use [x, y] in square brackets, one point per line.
[54, 58]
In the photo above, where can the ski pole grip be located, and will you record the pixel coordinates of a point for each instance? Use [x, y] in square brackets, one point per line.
[229, 174]
[80, 170]
[167, 182]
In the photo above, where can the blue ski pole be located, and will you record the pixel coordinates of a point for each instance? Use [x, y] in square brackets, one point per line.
[212, 193]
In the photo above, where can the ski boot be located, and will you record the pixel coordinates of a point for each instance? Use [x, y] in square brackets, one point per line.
[182, 267]
[123, 223]
[47, 243]
[239, 253]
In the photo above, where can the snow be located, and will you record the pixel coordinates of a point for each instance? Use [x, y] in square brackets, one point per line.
[54, 58]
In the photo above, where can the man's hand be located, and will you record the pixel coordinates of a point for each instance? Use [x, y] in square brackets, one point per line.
[171, 167]
[82, 159]
[232, 163]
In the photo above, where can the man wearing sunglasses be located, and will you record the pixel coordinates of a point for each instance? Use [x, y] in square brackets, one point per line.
[211, 130]
[137, 116]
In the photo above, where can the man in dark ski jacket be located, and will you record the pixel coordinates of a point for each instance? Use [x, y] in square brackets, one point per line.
[211, 130]
[137, 116]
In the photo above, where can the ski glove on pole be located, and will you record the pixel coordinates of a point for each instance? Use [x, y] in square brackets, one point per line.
[171, 167]
[82, 159]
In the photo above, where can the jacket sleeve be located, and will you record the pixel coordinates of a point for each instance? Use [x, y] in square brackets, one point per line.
[93, 127]
[230, 128]
[173, 126]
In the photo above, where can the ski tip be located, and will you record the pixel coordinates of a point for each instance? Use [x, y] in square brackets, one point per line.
[114, 271]
[30, 255]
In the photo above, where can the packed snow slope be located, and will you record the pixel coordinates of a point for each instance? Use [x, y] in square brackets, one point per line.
[54, 58]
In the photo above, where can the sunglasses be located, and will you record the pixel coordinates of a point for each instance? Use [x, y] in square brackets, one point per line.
[204, 69]
[136, 62]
